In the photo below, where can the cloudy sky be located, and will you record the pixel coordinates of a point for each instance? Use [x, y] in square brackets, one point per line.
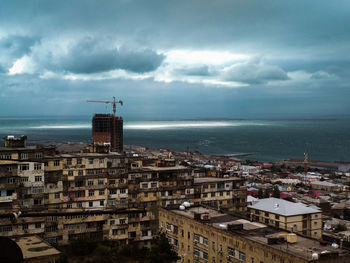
[176, 59]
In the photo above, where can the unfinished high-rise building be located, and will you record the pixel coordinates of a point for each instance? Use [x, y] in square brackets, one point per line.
[108, 130]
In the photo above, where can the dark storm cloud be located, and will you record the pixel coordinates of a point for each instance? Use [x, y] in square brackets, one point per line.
[305, 46]
[254, 71]
[16, 45]
[92, 56]
[13, 47]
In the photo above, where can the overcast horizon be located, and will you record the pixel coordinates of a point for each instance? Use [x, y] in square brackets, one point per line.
[176, 59]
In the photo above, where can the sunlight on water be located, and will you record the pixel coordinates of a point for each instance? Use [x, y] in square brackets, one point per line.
[147, 125]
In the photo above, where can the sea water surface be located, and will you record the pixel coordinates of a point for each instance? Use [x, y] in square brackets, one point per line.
[265, 139]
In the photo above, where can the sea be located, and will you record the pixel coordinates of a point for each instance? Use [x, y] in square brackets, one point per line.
[262, 139]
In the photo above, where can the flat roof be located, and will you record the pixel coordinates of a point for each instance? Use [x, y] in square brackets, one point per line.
[282, 207]
[35, 247]
[156, 168]
[258, 232]
[214, 179]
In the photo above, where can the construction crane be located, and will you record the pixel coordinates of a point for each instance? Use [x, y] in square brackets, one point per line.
[113, 102]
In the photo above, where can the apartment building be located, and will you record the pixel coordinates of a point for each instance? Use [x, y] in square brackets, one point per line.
[226, 193]
[201, 234]
[282, 214]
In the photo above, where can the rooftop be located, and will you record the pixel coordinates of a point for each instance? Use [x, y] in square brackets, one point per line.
[282, 207]
[34, 247]
[304, 247]
[214, 179]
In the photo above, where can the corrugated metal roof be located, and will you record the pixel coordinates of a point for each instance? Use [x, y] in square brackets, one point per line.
[282, 207]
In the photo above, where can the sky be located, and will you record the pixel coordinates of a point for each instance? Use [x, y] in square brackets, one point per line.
[176, 59]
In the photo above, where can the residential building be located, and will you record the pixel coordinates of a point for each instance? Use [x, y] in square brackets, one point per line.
[201, 234]
[282, 214]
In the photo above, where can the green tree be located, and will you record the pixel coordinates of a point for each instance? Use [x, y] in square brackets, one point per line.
[161, 251]
[267, 193]
[276, 192]
[260, 194]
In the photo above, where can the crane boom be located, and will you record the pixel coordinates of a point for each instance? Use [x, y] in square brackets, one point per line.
[113, 102]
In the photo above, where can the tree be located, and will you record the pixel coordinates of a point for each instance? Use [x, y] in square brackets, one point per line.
[276, 192]
[267, 193]
[260, 194]
[161, 251]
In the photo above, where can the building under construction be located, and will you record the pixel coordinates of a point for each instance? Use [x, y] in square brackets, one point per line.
[107, 129]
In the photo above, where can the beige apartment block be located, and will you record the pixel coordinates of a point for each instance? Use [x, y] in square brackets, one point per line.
[282, 214]
[201, 234]
[227, 193]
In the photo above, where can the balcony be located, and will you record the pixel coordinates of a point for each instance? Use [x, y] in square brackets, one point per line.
[9, 198]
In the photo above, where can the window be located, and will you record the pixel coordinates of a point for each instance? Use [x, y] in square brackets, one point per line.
[91, 161]
[91, 204]
[56, 162]
[196, 252]
[144, 185]
[230, 252]
[24, 167]
[37, 201]
[11, 180]
[122, 231]
[145, 194]
[91, 192]
[70, 173]
[79, 205]
[196, 238]
[112, 191]
[24, 156]
[115, 232]
[153, 185]
[212, 186]
[212, 194]
[24, 179]
[101, 203]
[37, 225]
[24, 226]
[69, 205]
[101, 192]
[38, 178]
[79, 161]
[205, 242]
[9, 169]
[90, 183]
[69, 161]
[37, 166]
[123, 191]
[122, 221]
[100, 182]
[102, 161]
[80, 172]
[241, 256]
[205, 195]
[205, 255]
[5, 157]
